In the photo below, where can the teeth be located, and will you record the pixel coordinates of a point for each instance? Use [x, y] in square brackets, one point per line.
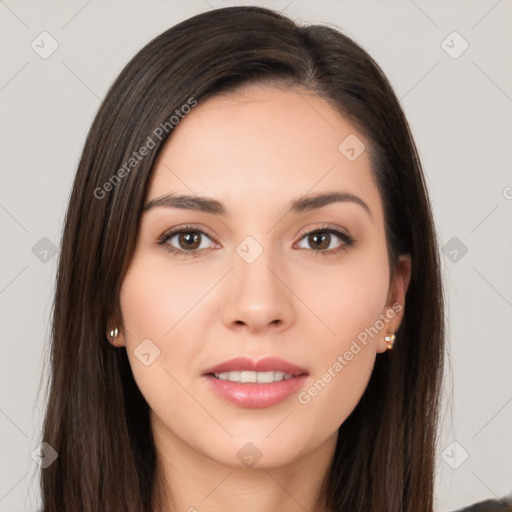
[245, 376]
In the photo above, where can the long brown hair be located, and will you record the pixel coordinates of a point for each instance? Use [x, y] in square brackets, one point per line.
[96, 417]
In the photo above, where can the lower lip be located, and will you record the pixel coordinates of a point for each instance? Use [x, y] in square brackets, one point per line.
[256, 395]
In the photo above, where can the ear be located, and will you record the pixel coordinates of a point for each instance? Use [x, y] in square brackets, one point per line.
[395, 303]
[112, 325]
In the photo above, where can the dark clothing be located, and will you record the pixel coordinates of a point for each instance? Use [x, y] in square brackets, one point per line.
[501, 505]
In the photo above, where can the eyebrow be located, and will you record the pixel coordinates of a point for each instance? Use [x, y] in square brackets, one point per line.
[208, 205]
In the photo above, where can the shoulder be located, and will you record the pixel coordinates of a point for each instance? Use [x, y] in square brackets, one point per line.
[499, 505]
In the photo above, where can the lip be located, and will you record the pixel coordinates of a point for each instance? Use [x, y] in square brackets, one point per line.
[256, 395]
[266, 364]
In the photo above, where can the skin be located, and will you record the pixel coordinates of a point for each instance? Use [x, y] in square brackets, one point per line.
[255, 151]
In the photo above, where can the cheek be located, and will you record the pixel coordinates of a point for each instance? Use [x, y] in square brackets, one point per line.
[350, 302]
[156, 306]
[333, 393]
[157, 302]
[348, 299]
[343, 363]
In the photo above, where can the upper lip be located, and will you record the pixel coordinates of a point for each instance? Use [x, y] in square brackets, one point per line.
[266, 364]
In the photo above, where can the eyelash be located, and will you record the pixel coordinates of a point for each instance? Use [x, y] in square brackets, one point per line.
[347, 240]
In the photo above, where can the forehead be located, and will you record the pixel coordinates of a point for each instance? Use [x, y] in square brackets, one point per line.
[259, 143]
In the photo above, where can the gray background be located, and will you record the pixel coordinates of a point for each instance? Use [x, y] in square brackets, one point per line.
[460, 113]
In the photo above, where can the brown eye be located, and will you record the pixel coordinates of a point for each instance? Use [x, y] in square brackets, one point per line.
[323, 241]
[186, 241]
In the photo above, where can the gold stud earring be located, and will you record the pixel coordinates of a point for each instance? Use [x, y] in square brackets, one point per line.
[390, 339]
[113, 334]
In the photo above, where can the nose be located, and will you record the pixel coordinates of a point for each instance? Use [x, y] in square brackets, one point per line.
[257, 297]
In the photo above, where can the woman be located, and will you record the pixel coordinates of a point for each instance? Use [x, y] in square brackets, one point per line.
[249, 311]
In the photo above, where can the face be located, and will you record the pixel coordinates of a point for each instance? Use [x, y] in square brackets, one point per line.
[252, 322]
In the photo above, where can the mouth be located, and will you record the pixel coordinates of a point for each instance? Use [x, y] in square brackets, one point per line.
[255, 384]
[248, 376]
[246, 367]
